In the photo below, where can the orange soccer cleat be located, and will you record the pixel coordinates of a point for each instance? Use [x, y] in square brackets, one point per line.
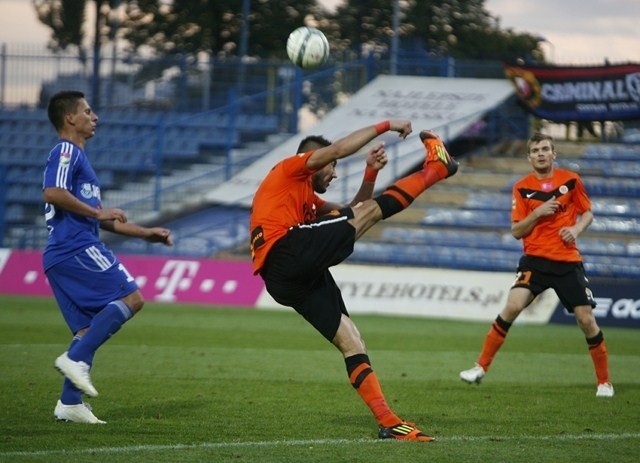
[404, 431]
[437, 153]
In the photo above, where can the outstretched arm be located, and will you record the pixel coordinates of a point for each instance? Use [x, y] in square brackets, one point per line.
[111, 219]
[62, 199]
[376, 160]
[350, 144]
[150, 234]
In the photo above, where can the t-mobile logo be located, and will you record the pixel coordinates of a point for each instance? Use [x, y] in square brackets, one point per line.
[176, 275]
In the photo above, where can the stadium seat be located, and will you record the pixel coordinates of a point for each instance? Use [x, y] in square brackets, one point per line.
[618, 152]
[212, 230]
[467, 218]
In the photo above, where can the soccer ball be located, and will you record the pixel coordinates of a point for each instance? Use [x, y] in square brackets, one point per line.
[307, 47]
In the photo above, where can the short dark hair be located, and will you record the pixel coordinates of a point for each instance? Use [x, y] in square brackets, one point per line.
[62, 103]
[537, 137]
[312, 142]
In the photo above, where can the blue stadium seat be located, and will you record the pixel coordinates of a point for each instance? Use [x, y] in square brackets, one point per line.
[603, 167]
[15, 213]
[489, 201]
[205, 232]
[615, 225]
[459, 238]
[435, 256]
[478, 259]
[633, 248]
[612, 266]
[467, 218]
[601, 246]
[616, 207]
[22, 193]
[613, 152]
[24, 174]
[624, 187]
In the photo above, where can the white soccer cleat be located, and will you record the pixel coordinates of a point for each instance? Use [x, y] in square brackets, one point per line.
[605, 390]
[77, 372]
[79, 413]
[473, 375]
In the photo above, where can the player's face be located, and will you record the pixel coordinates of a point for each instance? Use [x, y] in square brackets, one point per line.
[84, 120]
[321, 179]
[541, 156]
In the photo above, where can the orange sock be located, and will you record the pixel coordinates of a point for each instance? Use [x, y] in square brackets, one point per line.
[405, 190]
[438, 170]
[600, 357]
[365, 382]
[493, 341]
[416, 183]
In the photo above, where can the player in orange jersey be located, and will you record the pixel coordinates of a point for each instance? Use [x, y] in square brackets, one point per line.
[296, 236]
[550, 208]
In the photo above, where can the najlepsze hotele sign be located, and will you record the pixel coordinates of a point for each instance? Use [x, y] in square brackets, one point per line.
[573, 93]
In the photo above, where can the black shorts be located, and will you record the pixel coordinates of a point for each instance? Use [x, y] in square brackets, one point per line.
[567, 279]
[296, 272]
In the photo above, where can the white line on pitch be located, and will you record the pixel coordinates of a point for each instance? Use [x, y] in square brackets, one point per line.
[303, 442]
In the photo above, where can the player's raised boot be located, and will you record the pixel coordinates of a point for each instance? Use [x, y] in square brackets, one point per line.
[79, 413]
[404, 431]
[77, 373]
[473, 375]
[436, 152]
[605, 390]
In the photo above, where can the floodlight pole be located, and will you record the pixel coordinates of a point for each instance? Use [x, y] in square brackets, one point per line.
[394, 38]
[244, 44]
[97, 42]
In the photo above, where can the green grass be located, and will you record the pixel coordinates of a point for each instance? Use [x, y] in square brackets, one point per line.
[184, 383]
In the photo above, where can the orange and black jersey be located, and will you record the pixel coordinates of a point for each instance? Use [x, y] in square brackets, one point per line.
[285, 198]
[544, 240]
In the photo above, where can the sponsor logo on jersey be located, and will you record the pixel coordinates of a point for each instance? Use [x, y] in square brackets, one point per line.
[89, 191]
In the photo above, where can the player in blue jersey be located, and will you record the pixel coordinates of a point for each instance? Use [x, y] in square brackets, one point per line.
[94, 291]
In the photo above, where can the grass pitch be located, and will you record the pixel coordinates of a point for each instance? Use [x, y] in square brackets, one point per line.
[183, 383]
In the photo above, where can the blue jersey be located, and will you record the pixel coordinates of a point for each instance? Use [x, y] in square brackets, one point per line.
[68, 167]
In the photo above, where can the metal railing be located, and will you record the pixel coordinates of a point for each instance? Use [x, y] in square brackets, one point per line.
[154, 101]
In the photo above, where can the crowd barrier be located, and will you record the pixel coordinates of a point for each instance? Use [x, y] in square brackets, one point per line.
[385, 290]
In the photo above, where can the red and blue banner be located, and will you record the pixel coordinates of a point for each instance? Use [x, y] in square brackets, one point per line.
[571, 93]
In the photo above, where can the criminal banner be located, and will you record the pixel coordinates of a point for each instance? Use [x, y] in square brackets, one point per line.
[571, 93]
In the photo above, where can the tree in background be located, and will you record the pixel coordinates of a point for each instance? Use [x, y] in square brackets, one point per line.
[66, 19]
[214, 26]
[358, 27]
[165, 40]
[465, 29]
[458, 28]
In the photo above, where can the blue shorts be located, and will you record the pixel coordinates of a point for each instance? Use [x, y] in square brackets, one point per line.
[85, 283]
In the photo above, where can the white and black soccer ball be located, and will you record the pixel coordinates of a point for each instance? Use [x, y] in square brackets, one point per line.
[308, 47]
